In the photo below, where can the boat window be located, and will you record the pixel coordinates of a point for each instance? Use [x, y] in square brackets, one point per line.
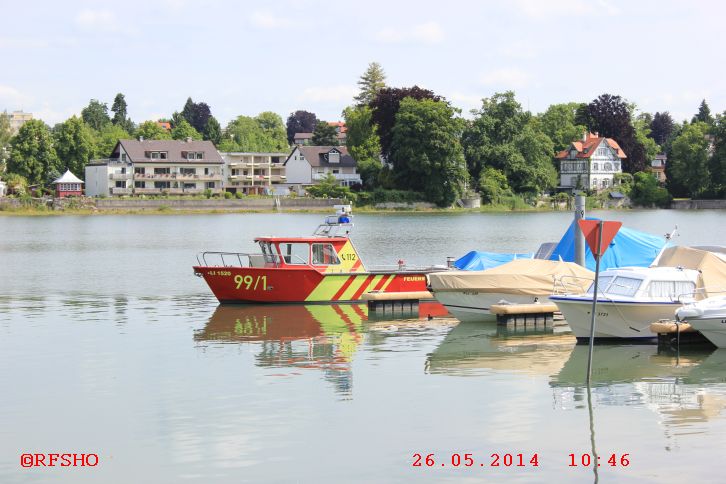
[602, 285]
[268, 252]
[324, 254]
[624, 286]
[295, 253]
[672, 289]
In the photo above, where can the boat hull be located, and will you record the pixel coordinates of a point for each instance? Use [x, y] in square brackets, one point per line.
[614, 319]
[469, 306]
[712, 328]
[242, 285]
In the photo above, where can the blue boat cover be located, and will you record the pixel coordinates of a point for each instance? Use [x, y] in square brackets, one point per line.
[628, 248]
[478, 261]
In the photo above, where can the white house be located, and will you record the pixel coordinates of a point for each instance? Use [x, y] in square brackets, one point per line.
[590, 163]
[3, 189]
[308, 165]
[254, 173]
[154, 167]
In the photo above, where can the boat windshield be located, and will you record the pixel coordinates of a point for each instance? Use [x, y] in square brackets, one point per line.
[295, 252]
[617, 285]
[672, 289]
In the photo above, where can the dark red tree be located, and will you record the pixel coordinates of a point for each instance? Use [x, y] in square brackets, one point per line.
[300, 122]
[610, 116]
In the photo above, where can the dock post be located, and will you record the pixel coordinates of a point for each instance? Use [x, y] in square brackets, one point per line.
[579, 238]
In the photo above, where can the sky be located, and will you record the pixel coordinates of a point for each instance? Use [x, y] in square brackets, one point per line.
[245, 57]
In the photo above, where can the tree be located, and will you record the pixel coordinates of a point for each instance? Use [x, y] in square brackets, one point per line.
[487, 139]
[492, 185]
[385, 107]
[363, 143]
[74, 145]
[184, 130]
[247, 134]
[120, 113]
[537, 174]
[426, 152]
[646, 192]
[325, 135]
[32, 154]
[95, 114]
[610, 116]
[273, 129]
[106, 139]
[372, 81]
[212, 131]
[300, 122]
[6, 133]
[661, 127]
[152, 130]
[559, 124]
[328, 187]
[704, 114]
[196, 114]
[642, 135]
[687, 170]
[717, 164]
[17, 184]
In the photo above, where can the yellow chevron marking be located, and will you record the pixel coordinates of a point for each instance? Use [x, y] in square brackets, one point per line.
[388, 282]
[326, 289]
[354, 286]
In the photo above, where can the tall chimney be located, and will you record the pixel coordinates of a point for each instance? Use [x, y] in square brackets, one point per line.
[141, 138]
[189, 139]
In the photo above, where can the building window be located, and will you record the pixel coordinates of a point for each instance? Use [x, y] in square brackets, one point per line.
[209, 185]
[608, 167]
[139, 170]
[617, 166]
[164, 184]
[154, 155]
[335, 171]
[162, 171]
[120, 184]
[188, 171]
[200, 155]
[123, 156]
[594, 167]
[162, 155]
[333, 157]
[189, 186]
[139, 184]
[594, 183]
[605, 183]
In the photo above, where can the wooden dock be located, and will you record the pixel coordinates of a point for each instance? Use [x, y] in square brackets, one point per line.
[532, 315]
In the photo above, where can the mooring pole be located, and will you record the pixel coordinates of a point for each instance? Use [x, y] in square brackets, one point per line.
[597, 255]
[579, 237]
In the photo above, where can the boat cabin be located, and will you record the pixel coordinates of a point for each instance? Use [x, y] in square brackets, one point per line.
[325, 254]
[668, 283]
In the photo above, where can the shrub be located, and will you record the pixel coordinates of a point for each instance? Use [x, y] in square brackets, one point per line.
[228, 195]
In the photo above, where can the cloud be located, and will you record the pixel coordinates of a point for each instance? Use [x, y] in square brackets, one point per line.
[340, 93]
[97, 20]
[506, 77]
[558, 8]
[425, 33]
[267, 20]
[12, 98]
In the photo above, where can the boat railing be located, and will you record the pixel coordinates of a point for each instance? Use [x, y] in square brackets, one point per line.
[570, 284]
[237, 259]
[333, 228]
[699, 293]
[404, 268]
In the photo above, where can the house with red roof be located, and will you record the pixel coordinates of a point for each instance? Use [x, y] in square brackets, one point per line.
[590, 163]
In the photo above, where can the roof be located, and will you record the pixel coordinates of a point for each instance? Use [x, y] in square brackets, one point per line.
[139, 151]
[586, 148]
[68, 177]
[616, 195]
[342, 128]
[317, 155]
[303, 135]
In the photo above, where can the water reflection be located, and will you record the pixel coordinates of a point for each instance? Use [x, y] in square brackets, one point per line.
[470, 348]
[322, 337]
[686, 390]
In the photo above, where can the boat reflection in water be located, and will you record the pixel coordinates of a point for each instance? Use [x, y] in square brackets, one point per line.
[317, 336]
[686, 389]
[323, 337]
[473, 348]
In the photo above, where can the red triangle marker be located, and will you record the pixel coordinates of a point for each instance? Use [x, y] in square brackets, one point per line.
[589, 230]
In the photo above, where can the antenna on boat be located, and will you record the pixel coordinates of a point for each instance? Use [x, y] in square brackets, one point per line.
[668, 237]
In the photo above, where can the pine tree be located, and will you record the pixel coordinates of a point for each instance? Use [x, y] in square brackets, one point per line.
[704, 114]
[372, 81]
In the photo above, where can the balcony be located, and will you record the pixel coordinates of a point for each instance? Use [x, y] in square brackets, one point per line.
[121, 191]
[173, 191]
[176, 176]
[119, 176]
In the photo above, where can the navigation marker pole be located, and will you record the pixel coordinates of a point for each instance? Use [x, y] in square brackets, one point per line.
[594, 301]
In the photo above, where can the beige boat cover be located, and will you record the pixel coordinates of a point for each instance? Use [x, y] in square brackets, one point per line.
[526, 277]
[711, 265]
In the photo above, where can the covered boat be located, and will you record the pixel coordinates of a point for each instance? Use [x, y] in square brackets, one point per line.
[631, 298]
[468, 295]
[708, 317]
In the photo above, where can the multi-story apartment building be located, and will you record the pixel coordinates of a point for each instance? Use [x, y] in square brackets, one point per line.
[155, 167]
[590, 163]
[255, 173]
[18, 119]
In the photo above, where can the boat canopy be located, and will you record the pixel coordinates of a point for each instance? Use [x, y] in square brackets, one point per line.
[527, 277]
[711, 265]
[629, 248]
[478, 261]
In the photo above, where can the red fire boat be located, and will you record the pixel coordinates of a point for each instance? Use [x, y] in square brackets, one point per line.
[323, 268]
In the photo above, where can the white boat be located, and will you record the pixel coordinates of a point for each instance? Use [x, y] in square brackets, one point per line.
[468, 295]
[707, 316]
[631, 298]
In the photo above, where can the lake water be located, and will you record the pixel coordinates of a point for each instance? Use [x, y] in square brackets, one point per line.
[110, 346]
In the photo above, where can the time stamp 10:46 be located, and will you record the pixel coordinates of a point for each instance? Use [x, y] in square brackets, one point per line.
[515, 460]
